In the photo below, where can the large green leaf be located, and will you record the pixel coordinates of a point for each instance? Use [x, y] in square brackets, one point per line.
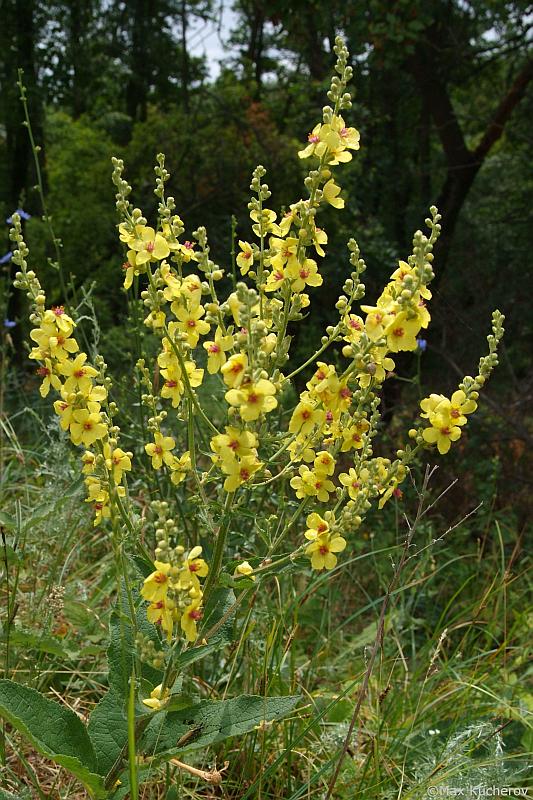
[108, 724]
[108, 729]
[211, 721]
[54, 730]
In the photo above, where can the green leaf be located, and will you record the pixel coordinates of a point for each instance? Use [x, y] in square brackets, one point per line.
[211, 721]
[217, 622]
[34, 641]
[7, 553]
[6, 521]
[108, 725]
[121, 650]
[108, 730]
[54, 730]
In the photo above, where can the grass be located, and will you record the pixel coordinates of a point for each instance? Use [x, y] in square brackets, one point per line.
[447, 703]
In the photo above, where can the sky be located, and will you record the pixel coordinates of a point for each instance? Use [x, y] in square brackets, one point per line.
[207, 38]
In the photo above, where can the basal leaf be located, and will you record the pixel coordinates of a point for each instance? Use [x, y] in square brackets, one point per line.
[54, 730]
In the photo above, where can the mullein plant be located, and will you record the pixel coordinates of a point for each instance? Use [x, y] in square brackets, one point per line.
[324, 453]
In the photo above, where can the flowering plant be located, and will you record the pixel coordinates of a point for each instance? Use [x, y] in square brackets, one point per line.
[228, 442]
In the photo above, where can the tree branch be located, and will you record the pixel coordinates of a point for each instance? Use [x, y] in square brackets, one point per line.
[504, 111]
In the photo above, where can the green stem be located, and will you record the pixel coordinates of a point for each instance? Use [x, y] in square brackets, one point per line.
[216, 561]
[132, 760]
[35, 152]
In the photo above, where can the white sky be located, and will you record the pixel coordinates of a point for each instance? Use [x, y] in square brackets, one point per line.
[207, 38]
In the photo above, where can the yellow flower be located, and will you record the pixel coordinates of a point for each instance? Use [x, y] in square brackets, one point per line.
[377, 318]
[180, 467]
[245, 259]
[275, 280]
[240, 471]
[100, 502]
[117, 462]
[155, 319]
[460, 406]
[392, 489]
[173, 387]
[191, 323]
[354, 482]
[233, 370]
[64, 408]
[52, 342]
[353, 436]
[284, 252]
[377, 369]
[322, 550]
[156, 585]
[349, 137]
[305, 416]
[316, 526]
[354, 327]
[149, 245]
[266, 222]
[303, 275]
[244, 568]
[216, 351]
[57, 315]
[324, 463]
[442, 432]
[86, 427]
[187, 252]
[331, 194]
[233, 444]
[159, 613]
[401, 332]
[429, 404]
[253, 399]
[316, 146]
[160, 450]
[156, 701]
[310, 484]
[88, 460]
[194, 568]
[320, 237]
[300, 450]
[46, 372]
[190, 618]
[79, 374]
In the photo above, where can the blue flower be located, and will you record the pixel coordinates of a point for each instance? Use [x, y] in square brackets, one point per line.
[22, 214]
[422, 345]
[5, 259]
[9, 323]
